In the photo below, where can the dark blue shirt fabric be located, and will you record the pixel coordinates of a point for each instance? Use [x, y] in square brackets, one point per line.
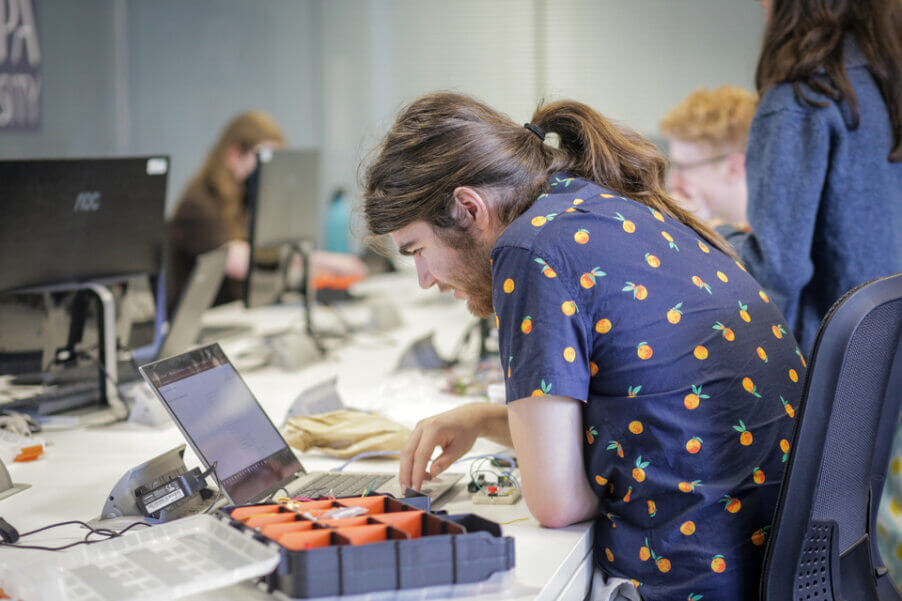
[825, 203]
[688, 374]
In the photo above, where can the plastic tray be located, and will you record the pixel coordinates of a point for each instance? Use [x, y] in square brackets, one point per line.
[394, 547]
[165, 562]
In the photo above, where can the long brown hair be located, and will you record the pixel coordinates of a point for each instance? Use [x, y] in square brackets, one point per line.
[245, 131]
[803, 45]
[441, 141]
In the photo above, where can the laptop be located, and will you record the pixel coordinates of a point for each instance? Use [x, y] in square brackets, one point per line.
[226, 426]
[198, 296]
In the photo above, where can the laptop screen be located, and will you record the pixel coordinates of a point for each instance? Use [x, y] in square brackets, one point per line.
[224, 423]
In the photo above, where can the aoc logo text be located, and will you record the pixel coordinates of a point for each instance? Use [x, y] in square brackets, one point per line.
[87, 202]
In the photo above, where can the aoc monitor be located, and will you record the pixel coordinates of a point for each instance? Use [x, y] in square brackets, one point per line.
[76, 220]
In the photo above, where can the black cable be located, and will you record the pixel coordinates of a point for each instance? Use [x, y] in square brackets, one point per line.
[100, 366]
[212, 470]
[57, 525]
[105, 532]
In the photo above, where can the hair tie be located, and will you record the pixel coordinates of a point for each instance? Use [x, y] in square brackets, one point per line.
[538, 131]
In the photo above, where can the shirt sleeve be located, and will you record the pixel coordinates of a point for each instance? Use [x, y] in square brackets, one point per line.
[542, 332]
[786, 167]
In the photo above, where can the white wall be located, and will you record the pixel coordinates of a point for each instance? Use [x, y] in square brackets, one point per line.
[630, 59]
[194, 65]
[78, 96]
[635, 59]
[163, 76]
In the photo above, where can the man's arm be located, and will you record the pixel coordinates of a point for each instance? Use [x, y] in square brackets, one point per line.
[547, 435]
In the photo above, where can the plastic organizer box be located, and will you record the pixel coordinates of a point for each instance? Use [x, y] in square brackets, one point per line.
[163, 563]
[393, 546]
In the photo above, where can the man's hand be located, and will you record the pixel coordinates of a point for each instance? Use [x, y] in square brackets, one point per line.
[455, 432]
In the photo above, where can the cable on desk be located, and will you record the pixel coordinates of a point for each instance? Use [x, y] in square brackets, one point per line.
[104, 532]
[270, 498]
[364, 456]
[507, 458]
[212, 470]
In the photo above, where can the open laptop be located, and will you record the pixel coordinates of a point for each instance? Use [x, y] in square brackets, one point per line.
[225, 424]
[198, 296]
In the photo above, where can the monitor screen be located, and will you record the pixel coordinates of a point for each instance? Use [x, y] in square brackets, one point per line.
[224, 423]
[74, 220]
[283, 197]
[283, 201]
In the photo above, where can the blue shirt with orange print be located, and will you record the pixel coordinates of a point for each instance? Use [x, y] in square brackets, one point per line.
[688, 374]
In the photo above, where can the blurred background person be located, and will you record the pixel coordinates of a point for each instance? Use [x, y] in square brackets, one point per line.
[212, 211]
[706, 135]
[824, 157]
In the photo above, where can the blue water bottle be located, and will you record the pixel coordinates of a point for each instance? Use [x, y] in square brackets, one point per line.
[338, 222]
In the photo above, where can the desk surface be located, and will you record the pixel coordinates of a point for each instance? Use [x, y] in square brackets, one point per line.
[80, 466]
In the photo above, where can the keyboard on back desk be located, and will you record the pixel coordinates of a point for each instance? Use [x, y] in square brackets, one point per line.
[52, 399]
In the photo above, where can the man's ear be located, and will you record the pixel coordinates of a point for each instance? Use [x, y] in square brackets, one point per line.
[472, 207]
[736, 166]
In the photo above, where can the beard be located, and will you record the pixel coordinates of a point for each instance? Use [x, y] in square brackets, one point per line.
[473, 272]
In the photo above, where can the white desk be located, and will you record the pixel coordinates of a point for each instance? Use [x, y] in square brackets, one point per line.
[80, 467]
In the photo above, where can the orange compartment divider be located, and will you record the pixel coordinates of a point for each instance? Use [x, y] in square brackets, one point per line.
[372, 504]
[310, 506]
[410, 522]
[258, 521]
[242, 513]
[359, 520]
[361, 535]
[311, 539]
[276, 531]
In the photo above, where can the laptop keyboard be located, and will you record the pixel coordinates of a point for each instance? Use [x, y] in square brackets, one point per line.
[341, 485]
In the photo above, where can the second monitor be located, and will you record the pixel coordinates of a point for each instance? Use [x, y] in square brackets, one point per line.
[283, 201]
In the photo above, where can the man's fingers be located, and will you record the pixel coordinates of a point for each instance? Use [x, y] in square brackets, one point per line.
[407, 456]
[421, 457]
[442, 463]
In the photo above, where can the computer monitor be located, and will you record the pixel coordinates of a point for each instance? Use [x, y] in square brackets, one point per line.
[283, 201]
[75, 224]
[77, 220]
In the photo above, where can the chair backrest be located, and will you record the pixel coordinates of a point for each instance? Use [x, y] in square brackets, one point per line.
[822, 545]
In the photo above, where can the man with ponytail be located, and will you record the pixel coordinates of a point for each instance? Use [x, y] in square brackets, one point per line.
[651, 383]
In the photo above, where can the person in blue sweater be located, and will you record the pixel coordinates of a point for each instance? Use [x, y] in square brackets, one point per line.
[824, 156]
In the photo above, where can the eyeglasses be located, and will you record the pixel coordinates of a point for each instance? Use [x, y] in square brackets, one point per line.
[687, 166]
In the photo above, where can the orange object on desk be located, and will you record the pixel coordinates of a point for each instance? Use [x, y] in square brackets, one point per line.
[30, 453]
[335, 282]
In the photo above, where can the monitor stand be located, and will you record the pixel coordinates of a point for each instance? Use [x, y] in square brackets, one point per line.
[108, 371]
[304, 249]
[7, 486]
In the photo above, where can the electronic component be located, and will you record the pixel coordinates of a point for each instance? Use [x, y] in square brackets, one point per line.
[497, 495]
[477, 484]
[152, 502]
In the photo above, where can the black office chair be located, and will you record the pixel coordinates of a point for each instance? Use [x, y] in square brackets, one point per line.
[823, 541]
